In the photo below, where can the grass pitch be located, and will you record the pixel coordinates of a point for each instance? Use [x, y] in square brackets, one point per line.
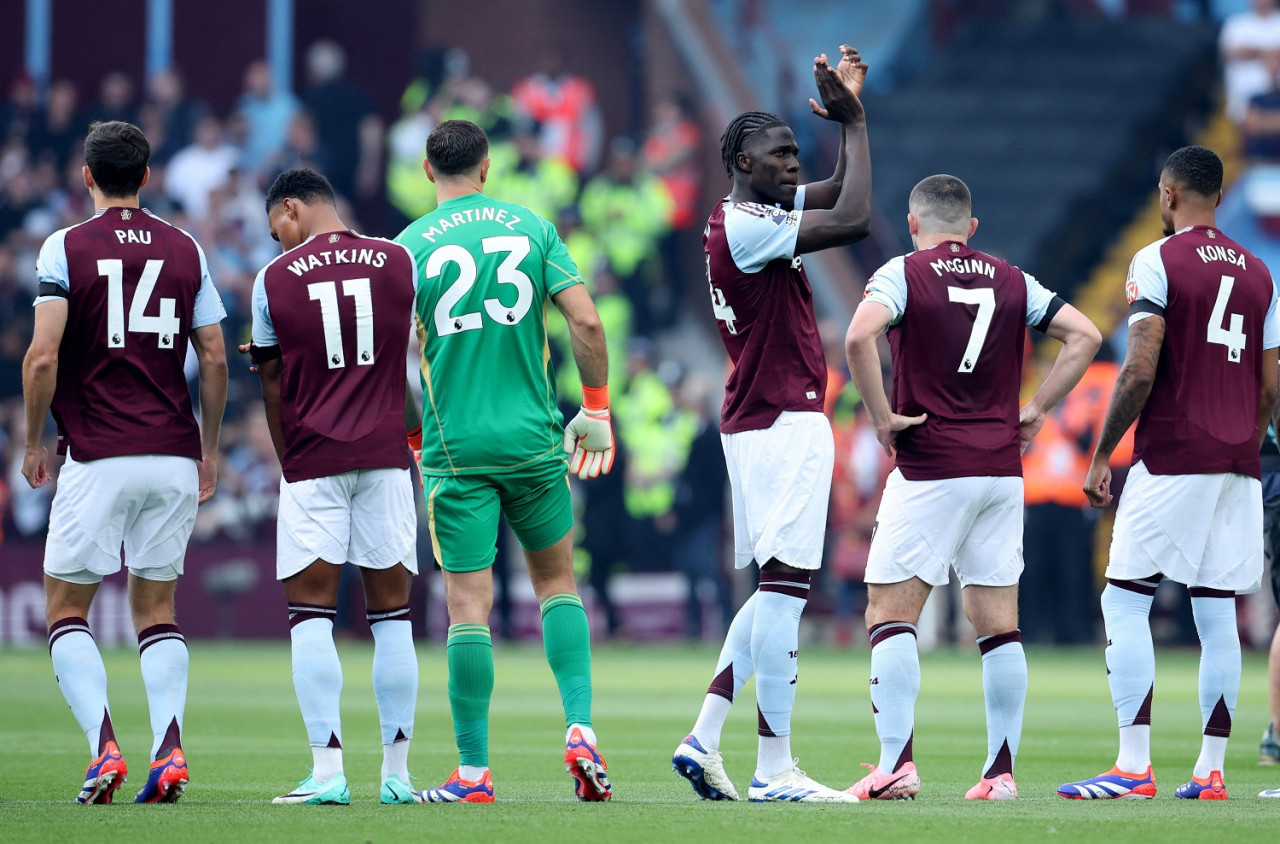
[246, 743]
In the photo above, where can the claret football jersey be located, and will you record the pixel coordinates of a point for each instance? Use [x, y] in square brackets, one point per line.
[958, 329]
[136, 287]
[339, 308]
[763, 307]
[1219, 305]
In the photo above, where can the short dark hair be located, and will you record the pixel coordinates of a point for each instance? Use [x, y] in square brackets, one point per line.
[300, 183]
[942, 204]
[117, 154]
[456, 146]
[1196, 169]
[740, 130]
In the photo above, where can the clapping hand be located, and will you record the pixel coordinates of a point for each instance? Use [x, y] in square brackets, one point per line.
[840, 87]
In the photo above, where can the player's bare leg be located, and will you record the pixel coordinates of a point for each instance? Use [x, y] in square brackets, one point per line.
[893, 610]
[312, 595]
[82, 677]
[993, 612]
[566, 637]
[162, 651]
[395, 673]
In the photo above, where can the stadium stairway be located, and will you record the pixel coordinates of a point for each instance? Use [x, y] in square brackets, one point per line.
[1054, 124]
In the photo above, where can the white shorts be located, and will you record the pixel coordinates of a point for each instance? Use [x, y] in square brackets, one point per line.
[366, 517]
[1200, 530]
[781, 482]
[143, 502]
[923, 528]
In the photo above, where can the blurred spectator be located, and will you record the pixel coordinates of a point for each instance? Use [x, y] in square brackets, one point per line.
[1261, 126]
[698, 517]
[175, 112]
[628, 209]
[671, 153]
[302, 148]
[409, 190]
[344, 121]
[565, 107]
[1246, 40]
[522, 174]
[265, 113]
[57, 135]
[21, 112]
[115, 101]
[200, 167]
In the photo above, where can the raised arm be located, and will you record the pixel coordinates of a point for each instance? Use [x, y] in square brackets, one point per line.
[1133, 387]
[39, 381]
[853, 71]
[869, 322]
[847, 219]
[211, 353]
[1080, 342]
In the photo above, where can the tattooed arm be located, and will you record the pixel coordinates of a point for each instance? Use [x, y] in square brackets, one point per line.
[1133, 386]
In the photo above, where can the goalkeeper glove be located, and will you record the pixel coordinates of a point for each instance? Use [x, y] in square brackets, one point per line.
[588, 438]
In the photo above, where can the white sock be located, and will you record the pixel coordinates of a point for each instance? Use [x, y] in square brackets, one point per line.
[775, 644]
[326, 763]
[1004, 690]
[1131, 667]
[588, 733]
[162, 653]
[472, 773]
[81, 676]
[895, 685]
[317, 679]
[395, 759]
[1135, 749]
[395, 686]
[1219, 676]
[733, 669]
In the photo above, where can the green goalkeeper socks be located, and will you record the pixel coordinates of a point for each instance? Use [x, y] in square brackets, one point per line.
[470, 657]
[567, 640]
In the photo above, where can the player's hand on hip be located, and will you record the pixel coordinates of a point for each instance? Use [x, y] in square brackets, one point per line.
[1030, 421]
[1097, 484]
[207, 471]
[35, 467]
[588, 439]
[888, 433]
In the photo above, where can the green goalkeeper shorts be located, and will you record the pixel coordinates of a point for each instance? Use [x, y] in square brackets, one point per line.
[463, 511]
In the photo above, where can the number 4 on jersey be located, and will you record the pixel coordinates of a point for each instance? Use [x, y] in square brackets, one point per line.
[1232, 337]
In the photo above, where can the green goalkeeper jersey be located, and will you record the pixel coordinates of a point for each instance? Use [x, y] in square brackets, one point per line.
[485, 271]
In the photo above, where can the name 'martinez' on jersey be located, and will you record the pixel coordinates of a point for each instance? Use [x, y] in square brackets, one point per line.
[485, 271]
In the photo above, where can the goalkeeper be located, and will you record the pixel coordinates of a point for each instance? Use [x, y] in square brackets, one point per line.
[493, 440]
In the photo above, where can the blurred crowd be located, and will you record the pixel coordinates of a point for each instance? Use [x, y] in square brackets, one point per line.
[626, 207]
[630, 211]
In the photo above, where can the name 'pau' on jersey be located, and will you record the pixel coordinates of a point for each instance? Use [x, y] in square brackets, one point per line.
[1219, 305]
[135, 286]
[339, 306]
[763, 306]
[957, 337]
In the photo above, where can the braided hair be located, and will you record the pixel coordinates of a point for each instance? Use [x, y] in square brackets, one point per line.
[740, 130]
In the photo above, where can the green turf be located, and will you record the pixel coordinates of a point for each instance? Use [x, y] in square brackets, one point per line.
[245, 741]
